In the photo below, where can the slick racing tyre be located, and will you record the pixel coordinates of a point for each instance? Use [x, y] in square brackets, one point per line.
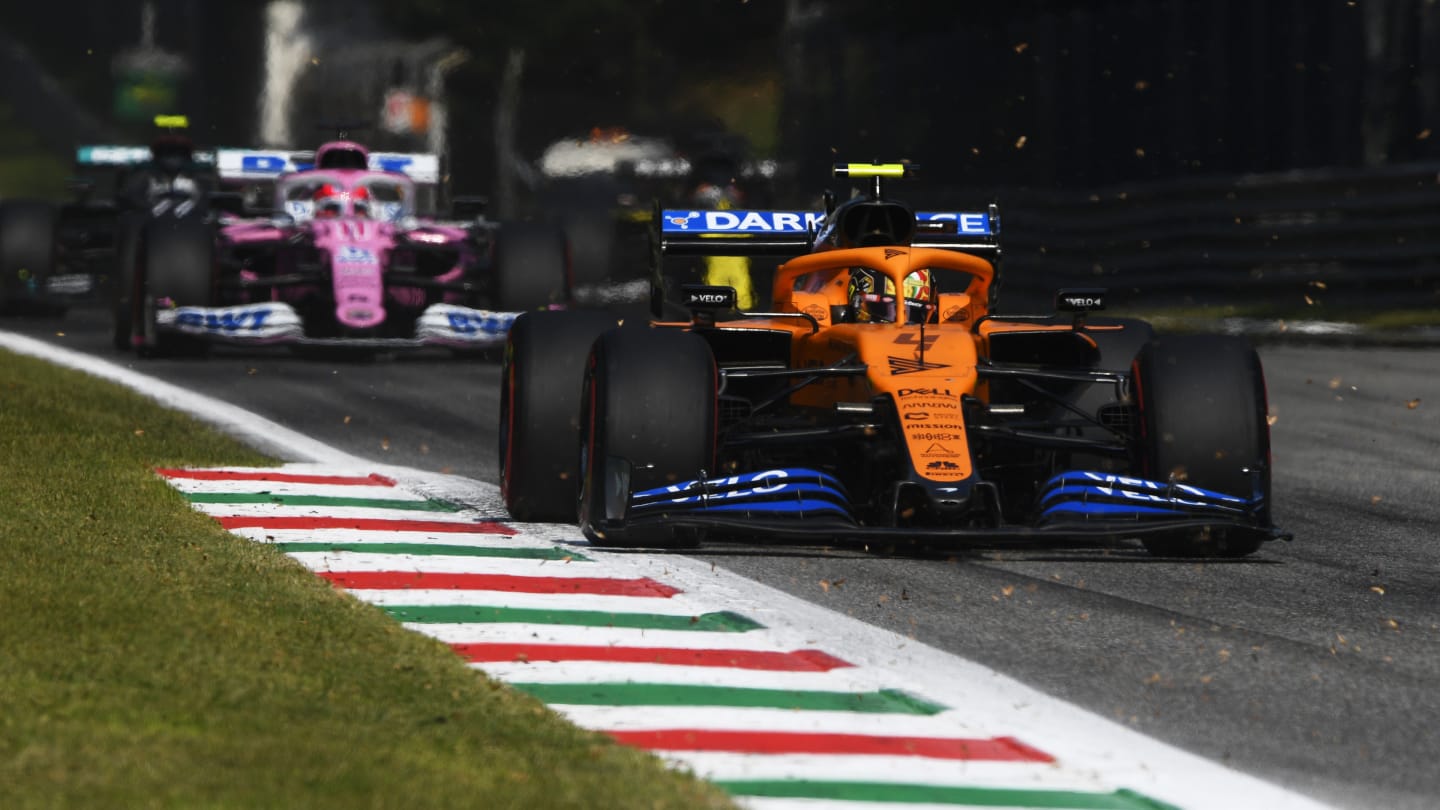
[540, 384]
[176, 256]
[1118, 348]
[27, 256]
[591, 236]
[125, 293]
[649, 420]
[531, 267]
[1202, 413]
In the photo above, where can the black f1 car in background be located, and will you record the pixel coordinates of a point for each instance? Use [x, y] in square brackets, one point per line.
[56, 255]
[601, 184]
[53, 256]
[880, 400]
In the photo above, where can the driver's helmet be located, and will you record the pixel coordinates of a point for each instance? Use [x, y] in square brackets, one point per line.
[360, 201]
[871, 296]
[715, 196]
[329, 201]
[918, 295]
[171, 152]
[868, 299]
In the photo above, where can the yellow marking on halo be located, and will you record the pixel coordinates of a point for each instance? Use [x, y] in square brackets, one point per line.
[172, 121]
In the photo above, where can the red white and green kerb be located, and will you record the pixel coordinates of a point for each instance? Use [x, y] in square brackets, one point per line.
[778, 722]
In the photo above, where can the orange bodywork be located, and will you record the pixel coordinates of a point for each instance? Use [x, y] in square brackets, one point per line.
[925, 371]
[925, 379]
[925, 374]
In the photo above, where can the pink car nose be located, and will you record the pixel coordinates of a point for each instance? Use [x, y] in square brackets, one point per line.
[356, 252]
[359, 315]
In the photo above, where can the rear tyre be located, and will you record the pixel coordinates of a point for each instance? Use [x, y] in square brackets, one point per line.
[177, 257]
[27, 256]
[591, 235]
[650, 404]
[1117, 352]
[540, 383]
[1118, 348]
[1202, 411]
[532, 267]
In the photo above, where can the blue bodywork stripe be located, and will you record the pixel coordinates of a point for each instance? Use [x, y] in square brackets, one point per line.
[1108, 510]
[1090, 493]
[790, 491]
[773, 481]
[1109, 496]
[800, 508]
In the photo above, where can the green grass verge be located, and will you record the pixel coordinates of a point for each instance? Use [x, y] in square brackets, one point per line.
[150, 659]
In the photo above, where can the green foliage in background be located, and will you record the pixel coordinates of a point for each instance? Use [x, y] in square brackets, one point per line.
[28, 167]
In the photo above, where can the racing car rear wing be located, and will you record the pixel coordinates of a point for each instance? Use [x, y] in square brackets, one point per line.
[263, 164]
[119, 155]
[681, 232]
[268, 164]
[735, 233]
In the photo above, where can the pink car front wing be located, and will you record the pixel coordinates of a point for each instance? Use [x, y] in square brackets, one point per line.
[358, 254]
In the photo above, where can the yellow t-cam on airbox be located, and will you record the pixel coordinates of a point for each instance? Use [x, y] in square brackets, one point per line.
[874, 170]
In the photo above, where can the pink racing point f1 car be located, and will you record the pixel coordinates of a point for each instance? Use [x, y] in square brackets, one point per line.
[343, 261]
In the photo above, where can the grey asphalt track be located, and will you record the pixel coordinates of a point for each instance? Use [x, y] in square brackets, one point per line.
[1314, 664]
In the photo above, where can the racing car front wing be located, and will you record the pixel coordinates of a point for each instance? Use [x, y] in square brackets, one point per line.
[277, 323]
[1076, 507]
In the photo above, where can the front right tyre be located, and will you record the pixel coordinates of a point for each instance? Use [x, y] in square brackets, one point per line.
[649, 420]
[540, 386]
[176, 258]
[1204, 422]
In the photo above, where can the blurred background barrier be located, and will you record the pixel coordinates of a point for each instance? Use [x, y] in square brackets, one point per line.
[1346, 238]
[1182, 152]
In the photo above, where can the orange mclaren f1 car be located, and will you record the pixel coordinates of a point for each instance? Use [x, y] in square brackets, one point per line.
[880, 399]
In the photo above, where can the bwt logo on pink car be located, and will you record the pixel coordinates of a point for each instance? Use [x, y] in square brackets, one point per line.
[479, 322]
[224, 320]
[351, 255]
